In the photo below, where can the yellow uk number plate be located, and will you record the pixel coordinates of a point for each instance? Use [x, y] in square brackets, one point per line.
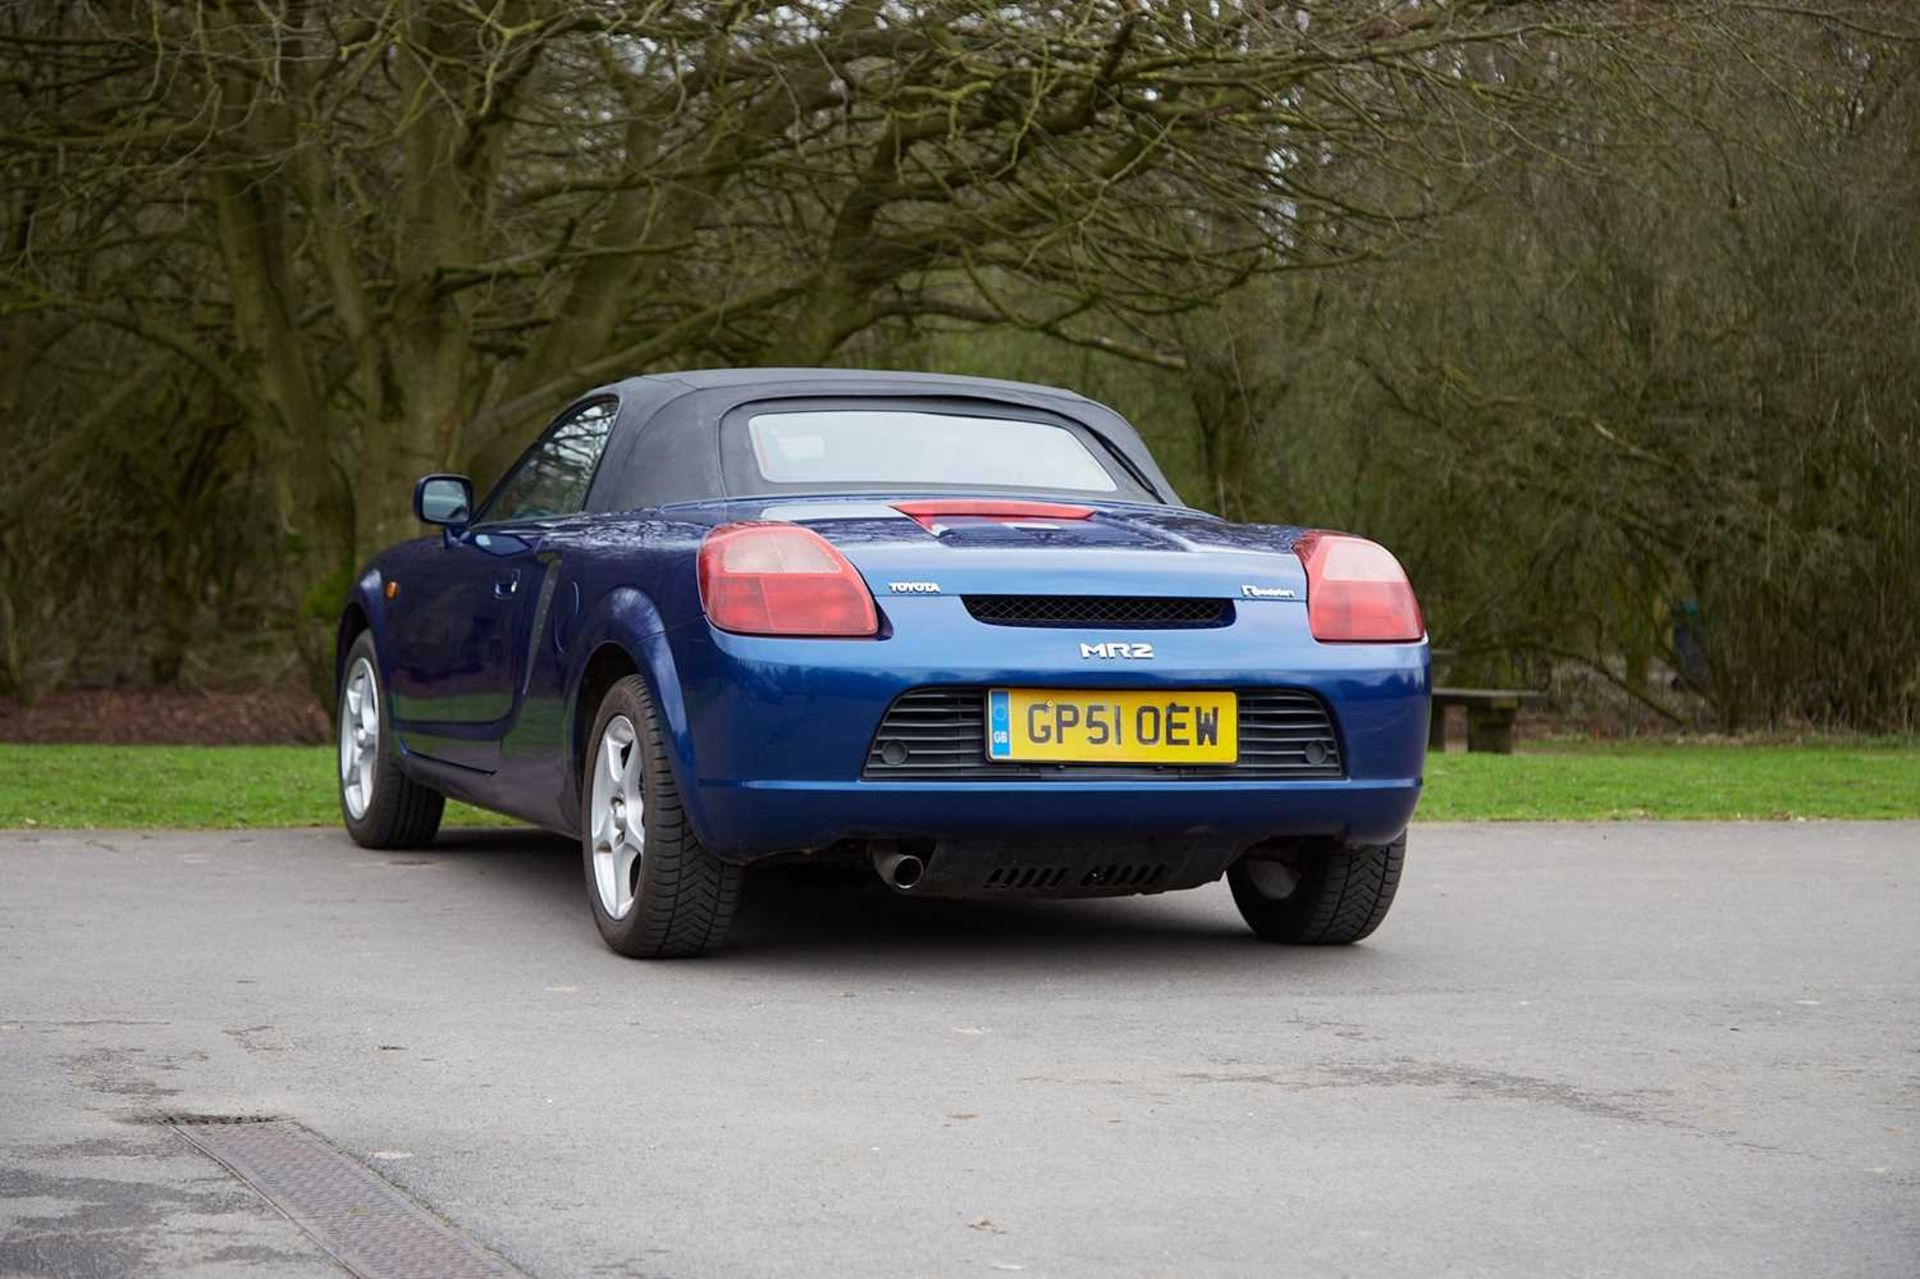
[1097, 726]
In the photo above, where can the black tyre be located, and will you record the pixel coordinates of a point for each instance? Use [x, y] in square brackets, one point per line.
[382, 806]
[654, 891]
[1318, 893]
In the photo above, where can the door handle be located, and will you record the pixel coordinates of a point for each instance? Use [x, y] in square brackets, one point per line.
[506, 584]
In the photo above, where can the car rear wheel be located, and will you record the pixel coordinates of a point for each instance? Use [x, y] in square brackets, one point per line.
[1317, 893]
[655, 892]
[382, 806]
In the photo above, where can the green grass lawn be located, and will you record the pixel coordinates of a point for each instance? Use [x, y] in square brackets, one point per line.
[1593, 782]
[119, 787]
[131, 786]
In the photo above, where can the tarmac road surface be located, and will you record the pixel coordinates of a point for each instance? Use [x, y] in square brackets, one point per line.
[1685, 1049]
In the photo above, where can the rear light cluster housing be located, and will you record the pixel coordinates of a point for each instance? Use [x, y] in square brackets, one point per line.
[769, 578]
[1357, 593]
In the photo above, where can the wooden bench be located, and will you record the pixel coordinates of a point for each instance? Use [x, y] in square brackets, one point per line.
[1490, 715]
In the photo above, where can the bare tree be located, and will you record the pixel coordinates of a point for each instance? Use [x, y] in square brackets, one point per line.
[395, 233]
[305, 252]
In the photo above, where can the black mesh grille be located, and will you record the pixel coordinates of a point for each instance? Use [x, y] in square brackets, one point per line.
[940, 734]
[1137, 611]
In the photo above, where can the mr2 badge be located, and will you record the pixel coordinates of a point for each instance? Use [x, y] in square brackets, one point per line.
[1133, 652]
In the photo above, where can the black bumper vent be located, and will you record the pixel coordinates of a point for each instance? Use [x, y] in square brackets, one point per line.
[1138, 876]
[940, 734]
[1134, 611]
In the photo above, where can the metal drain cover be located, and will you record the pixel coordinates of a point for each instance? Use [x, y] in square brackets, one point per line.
[366, 1223]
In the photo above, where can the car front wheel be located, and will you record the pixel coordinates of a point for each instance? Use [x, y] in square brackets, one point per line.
[1318, 893]
[382, 806]
[655, 892]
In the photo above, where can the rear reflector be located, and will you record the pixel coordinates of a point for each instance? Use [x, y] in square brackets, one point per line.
[782, 579]
[929, 512]
[1356, 591]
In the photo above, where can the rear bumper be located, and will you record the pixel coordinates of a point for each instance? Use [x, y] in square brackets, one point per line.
[776, 732]
[741, 819]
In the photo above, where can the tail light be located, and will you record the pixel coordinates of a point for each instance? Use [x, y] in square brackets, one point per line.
[1356, 591]
[782, 579]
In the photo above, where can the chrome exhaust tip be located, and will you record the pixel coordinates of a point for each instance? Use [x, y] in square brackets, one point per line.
[897, 870]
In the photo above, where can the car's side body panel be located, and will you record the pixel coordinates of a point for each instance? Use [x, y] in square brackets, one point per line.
[539, 773]
[460, 637]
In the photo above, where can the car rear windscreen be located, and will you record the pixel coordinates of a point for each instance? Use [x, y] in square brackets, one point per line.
[831, 449]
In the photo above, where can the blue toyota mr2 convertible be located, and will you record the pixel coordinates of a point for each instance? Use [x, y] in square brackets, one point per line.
[959, 628]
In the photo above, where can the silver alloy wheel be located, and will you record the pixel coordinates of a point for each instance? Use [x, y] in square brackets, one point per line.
[619, 812]
[359, 738]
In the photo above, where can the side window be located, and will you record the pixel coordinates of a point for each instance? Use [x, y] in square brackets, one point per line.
[552, 479]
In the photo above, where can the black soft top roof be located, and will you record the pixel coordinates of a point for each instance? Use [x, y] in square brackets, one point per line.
[666, 447]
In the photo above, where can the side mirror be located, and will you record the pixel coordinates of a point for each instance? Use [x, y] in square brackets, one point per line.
[446, 500]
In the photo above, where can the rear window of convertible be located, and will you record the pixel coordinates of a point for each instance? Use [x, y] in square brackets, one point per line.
[835, 450]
